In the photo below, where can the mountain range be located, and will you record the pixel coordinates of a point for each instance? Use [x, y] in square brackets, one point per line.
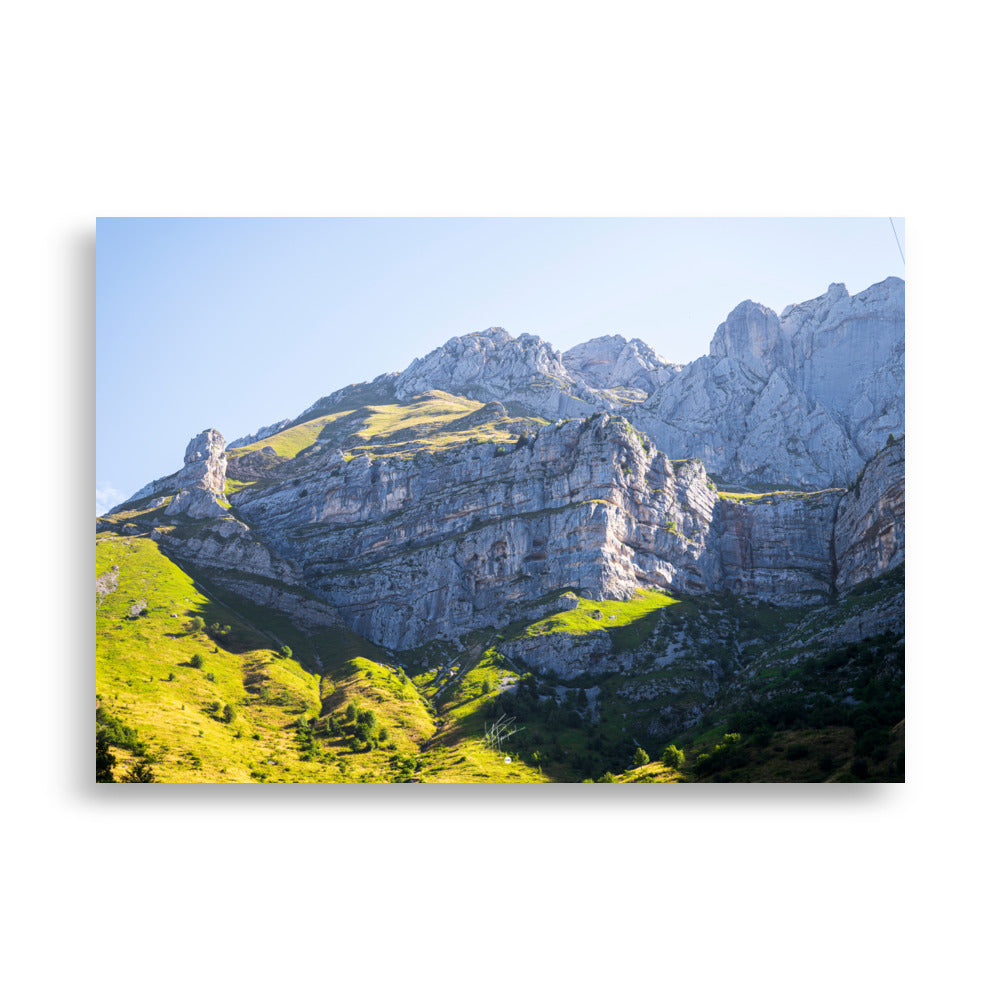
[547, 563]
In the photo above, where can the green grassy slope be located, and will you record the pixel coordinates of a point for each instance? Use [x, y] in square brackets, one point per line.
[258, 699]
[430, 422]
[293, 718]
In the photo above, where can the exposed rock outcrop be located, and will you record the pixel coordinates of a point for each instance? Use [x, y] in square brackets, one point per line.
[615, 363]
[421, 549]
[494, 365]
[204, 472]
[776, 548]
[803, 399]
[870, 532]
[254, 464]
[263, 432]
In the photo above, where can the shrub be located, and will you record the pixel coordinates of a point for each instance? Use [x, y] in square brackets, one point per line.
[607, 778]
[673, 757]
[705, 763]
[228, 714]
[285, 652]
[352, 712]
[197, 661]
[640, 758]
[139, 773]
[117, 733]
[196, 624]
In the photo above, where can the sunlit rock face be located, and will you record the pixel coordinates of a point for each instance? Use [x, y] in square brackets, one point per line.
[436, 545]
[202, 479]
[614, 362]
[801, 399]
[615, 494]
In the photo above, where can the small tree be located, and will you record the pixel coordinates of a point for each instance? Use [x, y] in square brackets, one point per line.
[673, 757]
[139, 773]
[352, 712]
[105, 759]
[196, 624]
[641, 757]
[197, 661]
[228, 714]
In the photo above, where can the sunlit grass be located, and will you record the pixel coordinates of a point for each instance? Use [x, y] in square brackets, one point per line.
[628, 621]
[778, 495]
[289, 442]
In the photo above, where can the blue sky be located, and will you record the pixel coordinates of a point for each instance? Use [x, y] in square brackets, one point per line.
[236, 323]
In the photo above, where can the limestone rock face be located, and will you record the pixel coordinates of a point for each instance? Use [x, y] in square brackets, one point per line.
[870, 532]
[753, 336]
[204, 470]
[803, 399]
[196, 503]
[411, 550]
[254, 464]
[614, 362]
[206, 456]
[494, 365]
[612, 496]
[777, 548]
[417, 549]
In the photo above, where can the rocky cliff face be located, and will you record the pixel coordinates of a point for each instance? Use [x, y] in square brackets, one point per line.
[776, 548]
[202, 480]
[447, 536]
[494, 365]
[803, 399]
[411, 550]
[870, 532]
[616, 363]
